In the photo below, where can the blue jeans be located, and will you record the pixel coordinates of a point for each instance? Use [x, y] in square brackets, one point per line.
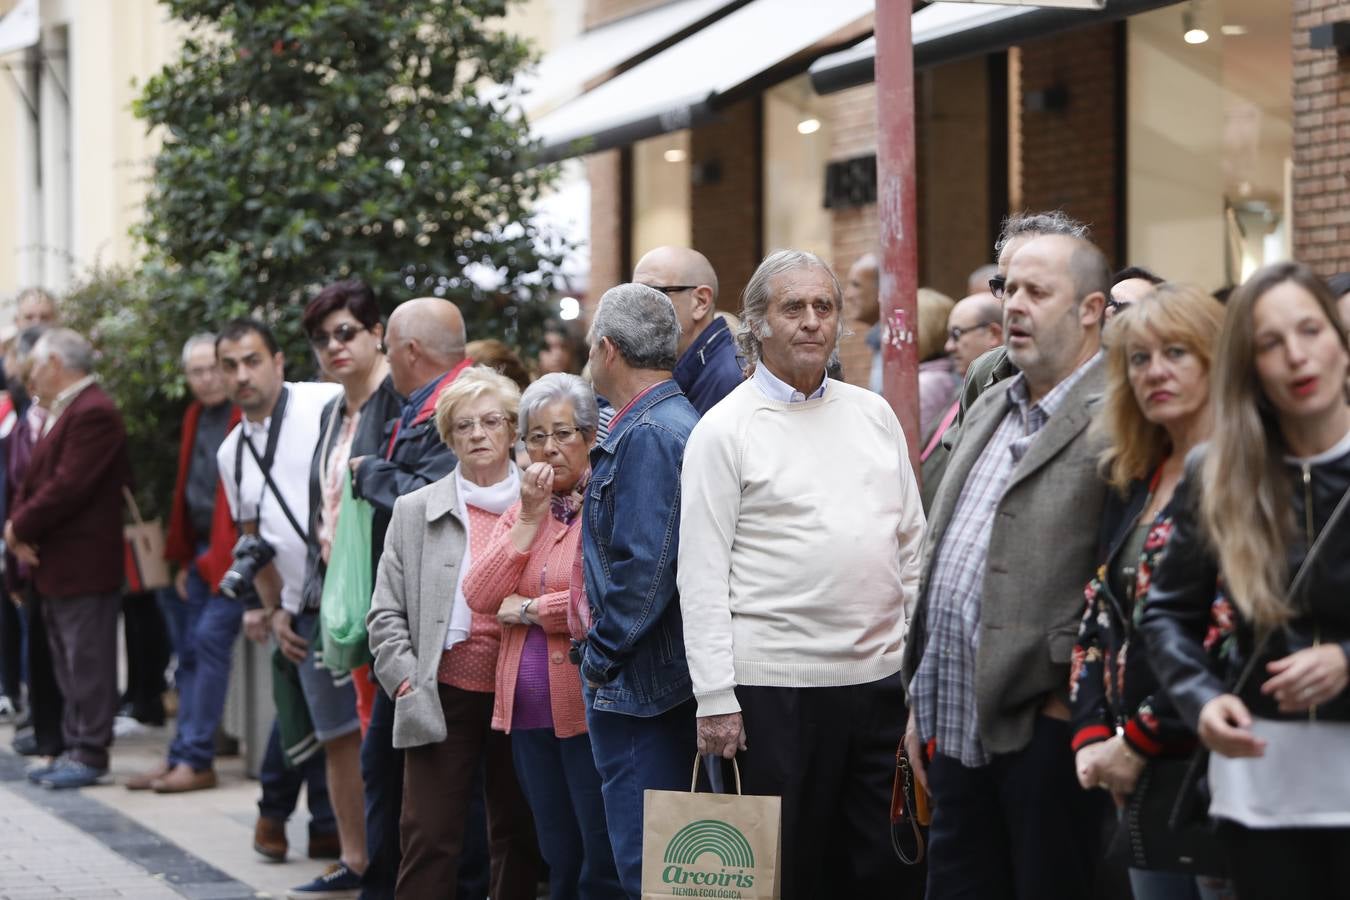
[562, 786]
[203, 629]
[633, 755]
[281, 787]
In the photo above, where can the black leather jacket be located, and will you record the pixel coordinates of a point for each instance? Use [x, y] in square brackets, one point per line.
[1188, 626]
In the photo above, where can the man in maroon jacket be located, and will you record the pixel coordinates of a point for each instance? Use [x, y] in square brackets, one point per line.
[66, 524]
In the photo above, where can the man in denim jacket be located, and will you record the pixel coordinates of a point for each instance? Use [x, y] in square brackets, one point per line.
[639, 706]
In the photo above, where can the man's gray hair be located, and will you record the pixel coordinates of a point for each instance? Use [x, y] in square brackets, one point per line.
[204, 337]
[640, 321]
[1056, 221]
[755, 300]
[75, 353]
[557, 386]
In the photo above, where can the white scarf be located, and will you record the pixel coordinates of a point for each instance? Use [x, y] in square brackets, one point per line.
[496, 499]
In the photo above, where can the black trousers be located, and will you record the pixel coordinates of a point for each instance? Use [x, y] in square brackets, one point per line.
[830, 754]
[1283, 863]
[1019, 828]
[11, 651]
[148, 655]
[44, 694]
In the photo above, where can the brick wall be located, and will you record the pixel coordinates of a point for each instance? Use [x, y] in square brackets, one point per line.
[726, 209]
[1321, 179]
[852, 115]
[1071, 156]
[609, 223]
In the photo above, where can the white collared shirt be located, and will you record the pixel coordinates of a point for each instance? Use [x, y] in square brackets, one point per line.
[300, 431]
[776, 388]
[64, 399]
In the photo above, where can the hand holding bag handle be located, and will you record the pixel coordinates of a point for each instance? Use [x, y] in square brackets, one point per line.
[693, 782]
[909, 802]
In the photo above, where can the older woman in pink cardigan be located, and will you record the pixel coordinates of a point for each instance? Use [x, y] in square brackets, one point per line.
[525, 577]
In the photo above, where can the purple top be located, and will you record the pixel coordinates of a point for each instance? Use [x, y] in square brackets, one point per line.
[532, 708]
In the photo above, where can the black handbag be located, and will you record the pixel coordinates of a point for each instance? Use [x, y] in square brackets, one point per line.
[1156, 843]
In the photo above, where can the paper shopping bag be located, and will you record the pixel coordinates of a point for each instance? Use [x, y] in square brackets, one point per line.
[146, 568]
[710, 845]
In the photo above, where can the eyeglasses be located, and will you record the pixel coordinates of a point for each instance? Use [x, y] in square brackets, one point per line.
[956, 331]
[490, 422]
[996, 286]
[564, 435]
[344, 334]
[1115, 307]
[669, 289]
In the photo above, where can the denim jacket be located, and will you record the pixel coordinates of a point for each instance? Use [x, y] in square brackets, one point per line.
[634, 656]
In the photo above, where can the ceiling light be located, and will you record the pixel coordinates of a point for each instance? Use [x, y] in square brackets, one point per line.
[1193, 33]
[675, 155]
[1233, 30]
[808, 126]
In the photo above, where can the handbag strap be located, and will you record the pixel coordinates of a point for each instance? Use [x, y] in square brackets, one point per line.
[907, 789]
[735, 769]
[131, 505]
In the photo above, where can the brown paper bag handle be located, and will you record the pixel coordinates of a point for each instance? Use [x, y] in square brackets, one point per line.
[131, 505]
[693, 782]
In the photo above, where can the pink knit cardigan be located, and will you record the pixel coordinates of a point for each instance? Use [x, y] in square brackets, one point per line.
[501, 571]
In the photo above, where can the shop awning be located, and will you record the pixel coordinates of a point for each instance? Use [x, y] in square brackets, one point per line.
[947, 31]
[20, 26]
[754, 47]
[567, 71]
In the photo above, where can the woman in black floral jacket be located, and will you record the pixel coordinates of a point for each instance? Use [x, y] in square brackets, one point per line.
[1156, 410]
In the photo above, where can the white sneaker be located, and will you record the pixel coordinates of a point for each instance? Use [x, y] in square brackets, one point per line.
[7, 711]
[126, 726]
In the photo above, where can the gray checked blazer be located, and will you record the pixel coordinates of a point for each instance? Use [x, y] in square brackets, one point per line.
[1042, 553]
[410, 610]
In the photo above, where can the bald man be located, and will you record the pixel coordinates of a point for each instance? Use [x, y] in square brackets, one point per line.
[707, 369]
[425, 341]
[974, 327]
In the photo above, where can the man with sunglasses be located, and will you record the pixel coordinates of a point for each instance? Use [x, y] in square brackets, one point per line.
[707, 368]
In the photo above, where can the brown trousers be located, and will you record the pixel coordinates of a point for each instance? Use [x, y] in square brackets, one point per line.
[82, 636]
[436, 783]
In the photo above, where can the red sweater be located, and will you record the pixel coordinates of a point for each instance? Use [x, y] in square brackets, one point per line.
[180, 543]
[500, 572]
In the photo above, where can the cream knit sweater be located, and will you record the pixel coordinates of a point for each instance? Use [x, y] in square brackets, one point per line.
[800, 532]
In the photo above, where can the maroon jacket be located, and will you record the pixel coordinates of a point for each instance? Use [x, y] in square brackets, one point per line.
[70, 503]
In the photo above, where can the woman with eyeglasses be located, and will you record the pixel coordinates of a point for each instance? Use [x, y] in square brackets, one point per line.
[524, 579]
[438, 658]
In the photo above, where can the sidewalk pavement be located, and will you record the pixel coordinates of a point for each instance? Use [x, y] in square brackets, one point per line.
[107, 841]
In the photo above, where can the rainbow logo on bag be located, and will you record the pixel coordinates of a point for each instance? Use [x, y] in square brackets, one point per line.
[709, 836]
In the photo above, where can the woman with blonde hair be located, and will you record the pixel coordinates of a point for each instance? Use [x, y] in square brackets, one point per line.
[1156, 409]
[1260, 671]
[939, 382]
[438, 659]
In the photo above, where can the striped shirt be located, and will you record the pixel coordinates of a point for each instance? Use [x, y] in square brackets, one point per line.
[944, 684]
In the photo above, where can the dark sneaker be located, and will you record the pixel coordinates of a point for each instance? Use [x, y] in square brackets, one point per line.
[70, 773]
[338, 883]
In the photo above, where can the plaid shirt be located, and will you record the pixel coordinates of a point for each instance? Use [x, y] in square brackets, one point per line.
[944, 684]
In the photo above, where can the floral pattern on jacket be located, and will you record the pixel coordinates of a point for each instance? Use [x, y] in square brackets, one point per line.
[1112, 691]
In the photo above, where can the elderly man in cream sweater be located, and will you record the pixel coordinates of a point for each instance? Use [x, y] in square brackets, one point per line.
[800, 530]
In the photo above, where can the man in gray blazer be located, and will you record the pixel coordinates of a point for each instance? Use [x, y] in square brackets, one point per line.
[1011, 542]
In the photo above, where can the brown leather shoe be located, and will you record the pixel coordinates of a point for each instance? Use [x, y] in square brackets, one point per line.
[269, 838]
[146, 780]
[324, 846]
[184, 778]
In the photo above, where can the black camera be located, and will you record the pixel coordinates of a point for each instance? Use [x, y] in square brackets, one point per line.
[251, 553]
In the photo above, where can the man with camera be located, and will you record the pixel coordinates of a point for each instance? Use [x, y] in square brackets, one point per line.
[264, 464]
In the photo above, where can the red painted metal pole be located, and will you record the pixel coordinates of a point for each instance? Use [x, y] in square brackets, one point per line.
[896, 208]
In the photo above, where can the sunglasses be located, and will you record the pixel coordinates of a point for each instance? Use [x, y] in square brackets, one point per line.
[669, 289]
[344, 334]
[996, 285]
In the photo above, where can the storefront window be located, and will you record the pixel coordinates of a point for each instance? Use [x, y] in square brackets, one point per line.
[1210, 82]
[661, 190]
[796, 152]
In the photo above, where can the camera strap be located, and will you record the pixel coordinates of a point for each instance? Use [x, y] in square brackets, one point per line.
[265, 463]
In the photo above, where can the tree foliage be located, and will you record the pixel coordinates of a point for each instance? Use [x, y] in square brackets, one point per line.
[311, 140]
